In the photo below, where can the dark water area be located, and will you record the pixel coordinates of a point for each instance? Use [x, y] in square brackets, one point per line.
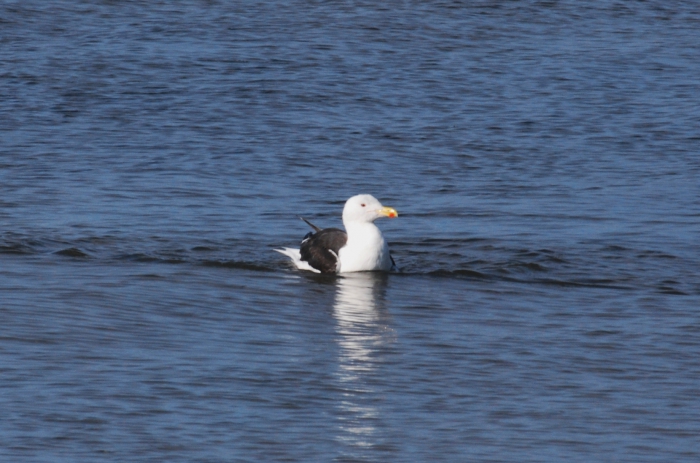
[544, 158]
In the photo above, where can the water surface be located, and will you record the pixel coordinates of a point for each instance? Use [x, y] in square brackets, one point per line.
[543, 157]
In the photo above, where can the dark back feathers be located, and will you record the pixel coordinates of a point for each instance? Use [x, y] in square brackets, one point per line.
[316, 248]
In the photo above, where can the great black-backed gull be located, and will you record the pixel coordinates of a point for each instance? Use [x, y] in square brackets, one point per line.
[362, 248]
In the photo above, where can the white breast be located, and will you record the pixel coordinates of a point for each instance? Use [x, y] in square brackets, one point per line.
[365, 250]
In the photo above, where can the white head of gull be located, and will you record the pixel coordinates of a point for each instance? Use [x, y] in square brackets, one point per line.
[360, 248]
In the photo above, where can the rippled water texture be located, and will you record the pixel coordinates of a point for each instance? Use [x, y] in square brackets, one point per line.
[543, 157]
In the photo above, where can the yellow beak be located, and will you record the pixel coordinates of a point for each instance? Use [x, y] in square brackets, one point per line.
[388, 212]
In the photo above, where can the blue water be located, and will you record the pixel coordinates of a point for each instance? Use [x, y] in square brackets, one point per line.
[544, 160]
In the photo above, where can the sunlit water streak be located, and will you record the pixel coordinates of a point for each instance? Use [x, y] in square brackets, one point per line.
[362, 334]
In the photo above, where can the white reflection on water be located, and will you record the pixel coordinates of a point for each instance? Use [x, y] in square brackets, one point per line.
[362, 335]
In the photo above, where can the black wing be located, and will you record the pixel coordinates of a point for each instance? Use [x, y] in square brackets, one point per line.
[321, 249]
[310, 224]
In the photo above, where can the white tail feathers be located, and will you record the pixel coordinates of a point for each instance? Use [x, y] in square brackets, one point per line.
[295, 255]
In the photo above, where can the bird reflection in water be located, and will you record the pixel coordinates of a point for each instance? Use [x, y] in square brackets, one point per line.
[363, 336]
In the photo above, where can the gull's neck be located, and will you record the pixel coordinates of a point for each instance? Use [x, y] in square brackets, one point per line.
[362, 230]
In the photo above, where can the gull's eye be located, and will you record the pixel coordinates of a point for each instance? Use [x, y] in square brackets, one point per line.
[363, 204]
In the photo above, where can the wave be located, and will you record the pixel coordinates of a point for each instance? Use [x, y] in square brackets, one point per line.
[73, 252]
[611, 267]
